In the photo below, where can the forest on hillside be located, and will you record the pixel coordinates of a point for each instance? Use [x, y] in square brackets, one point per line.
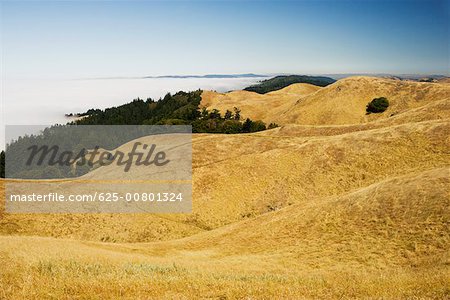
[182, 108]
[279, 82]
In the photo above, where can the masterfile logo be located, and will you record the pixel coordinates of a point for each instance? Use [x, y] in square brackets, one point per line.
[100, 169]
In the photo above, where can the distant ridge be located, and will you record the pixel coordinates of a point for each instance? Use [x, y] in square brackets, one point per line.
[412, 77]
[279, 82]
[248, 75]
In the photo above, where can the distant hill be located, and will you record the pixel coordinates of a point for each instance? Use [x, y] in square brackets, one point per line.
[248, 75]
[283, 81]
[255, 106]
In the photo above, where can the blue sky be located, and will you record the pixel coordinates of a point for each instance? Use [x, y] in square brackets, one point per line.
[84, 39]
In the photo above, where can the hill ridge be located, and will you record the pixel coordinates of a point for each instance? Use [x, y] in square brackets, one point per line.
[341, 103]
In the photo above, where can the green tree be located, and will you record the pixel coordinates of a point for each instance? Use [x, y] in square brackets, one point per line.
[273, 125]
[204, 113]
[257, 126]
[377, 105]
[228, 115]
[247, 126]
[231, 127]
[237, 114]
[215, 114]
[282, 81]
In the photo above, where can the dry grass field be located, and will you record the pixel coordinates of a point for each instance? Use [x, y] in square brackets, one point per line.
[343, 102]
[333, 204]
[254, 105]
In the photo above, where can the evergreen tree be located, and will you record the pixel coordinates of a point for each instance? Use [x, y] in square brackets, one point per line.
[204, 113]
[214, 114]
[228, 115]
[377, 105]
[257, 126]
[247, 126]
[237, 114]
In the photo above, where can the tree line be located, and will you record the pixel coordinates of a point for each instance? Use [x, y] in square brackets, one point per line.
[182, 108]
[282, 81]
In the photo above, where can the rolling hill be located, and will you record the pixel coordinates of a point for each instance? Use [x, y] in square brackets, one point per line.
[357, 244]
[334, 203]
[279, 82]
[340, 103]
[254, 105]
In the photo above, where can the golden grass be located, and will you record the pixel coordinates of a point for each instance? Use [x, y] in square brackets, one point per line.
[115, 276]
[256, 106]
[351, 207]
[445, 80]
[343, 102]
[364, 244]
[236, 177]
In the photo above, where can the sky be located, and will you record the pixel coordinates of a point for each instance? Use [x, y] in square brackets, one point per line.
[87, 39]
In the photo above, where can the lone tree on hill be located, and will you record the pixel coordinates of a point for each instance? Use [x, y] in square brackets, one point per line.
[377, 105]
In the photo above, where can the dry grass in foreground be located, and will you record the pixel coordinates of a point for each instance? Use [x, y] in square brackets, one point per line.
[72, 270]
[387, 240]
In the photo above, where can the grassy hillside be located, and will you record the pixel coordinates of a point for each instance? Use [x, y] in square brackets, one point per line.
[301, 169]
[255, 106]
[283, 81]
[332, 204]
[345, 220]
[343, 102]
[182, 108]
[360, 244]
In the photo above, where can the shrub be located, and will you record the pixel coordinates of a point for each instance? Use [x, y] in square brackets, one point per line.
[247, 125]
[377, 105]
[231, 126]
[257, 126]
